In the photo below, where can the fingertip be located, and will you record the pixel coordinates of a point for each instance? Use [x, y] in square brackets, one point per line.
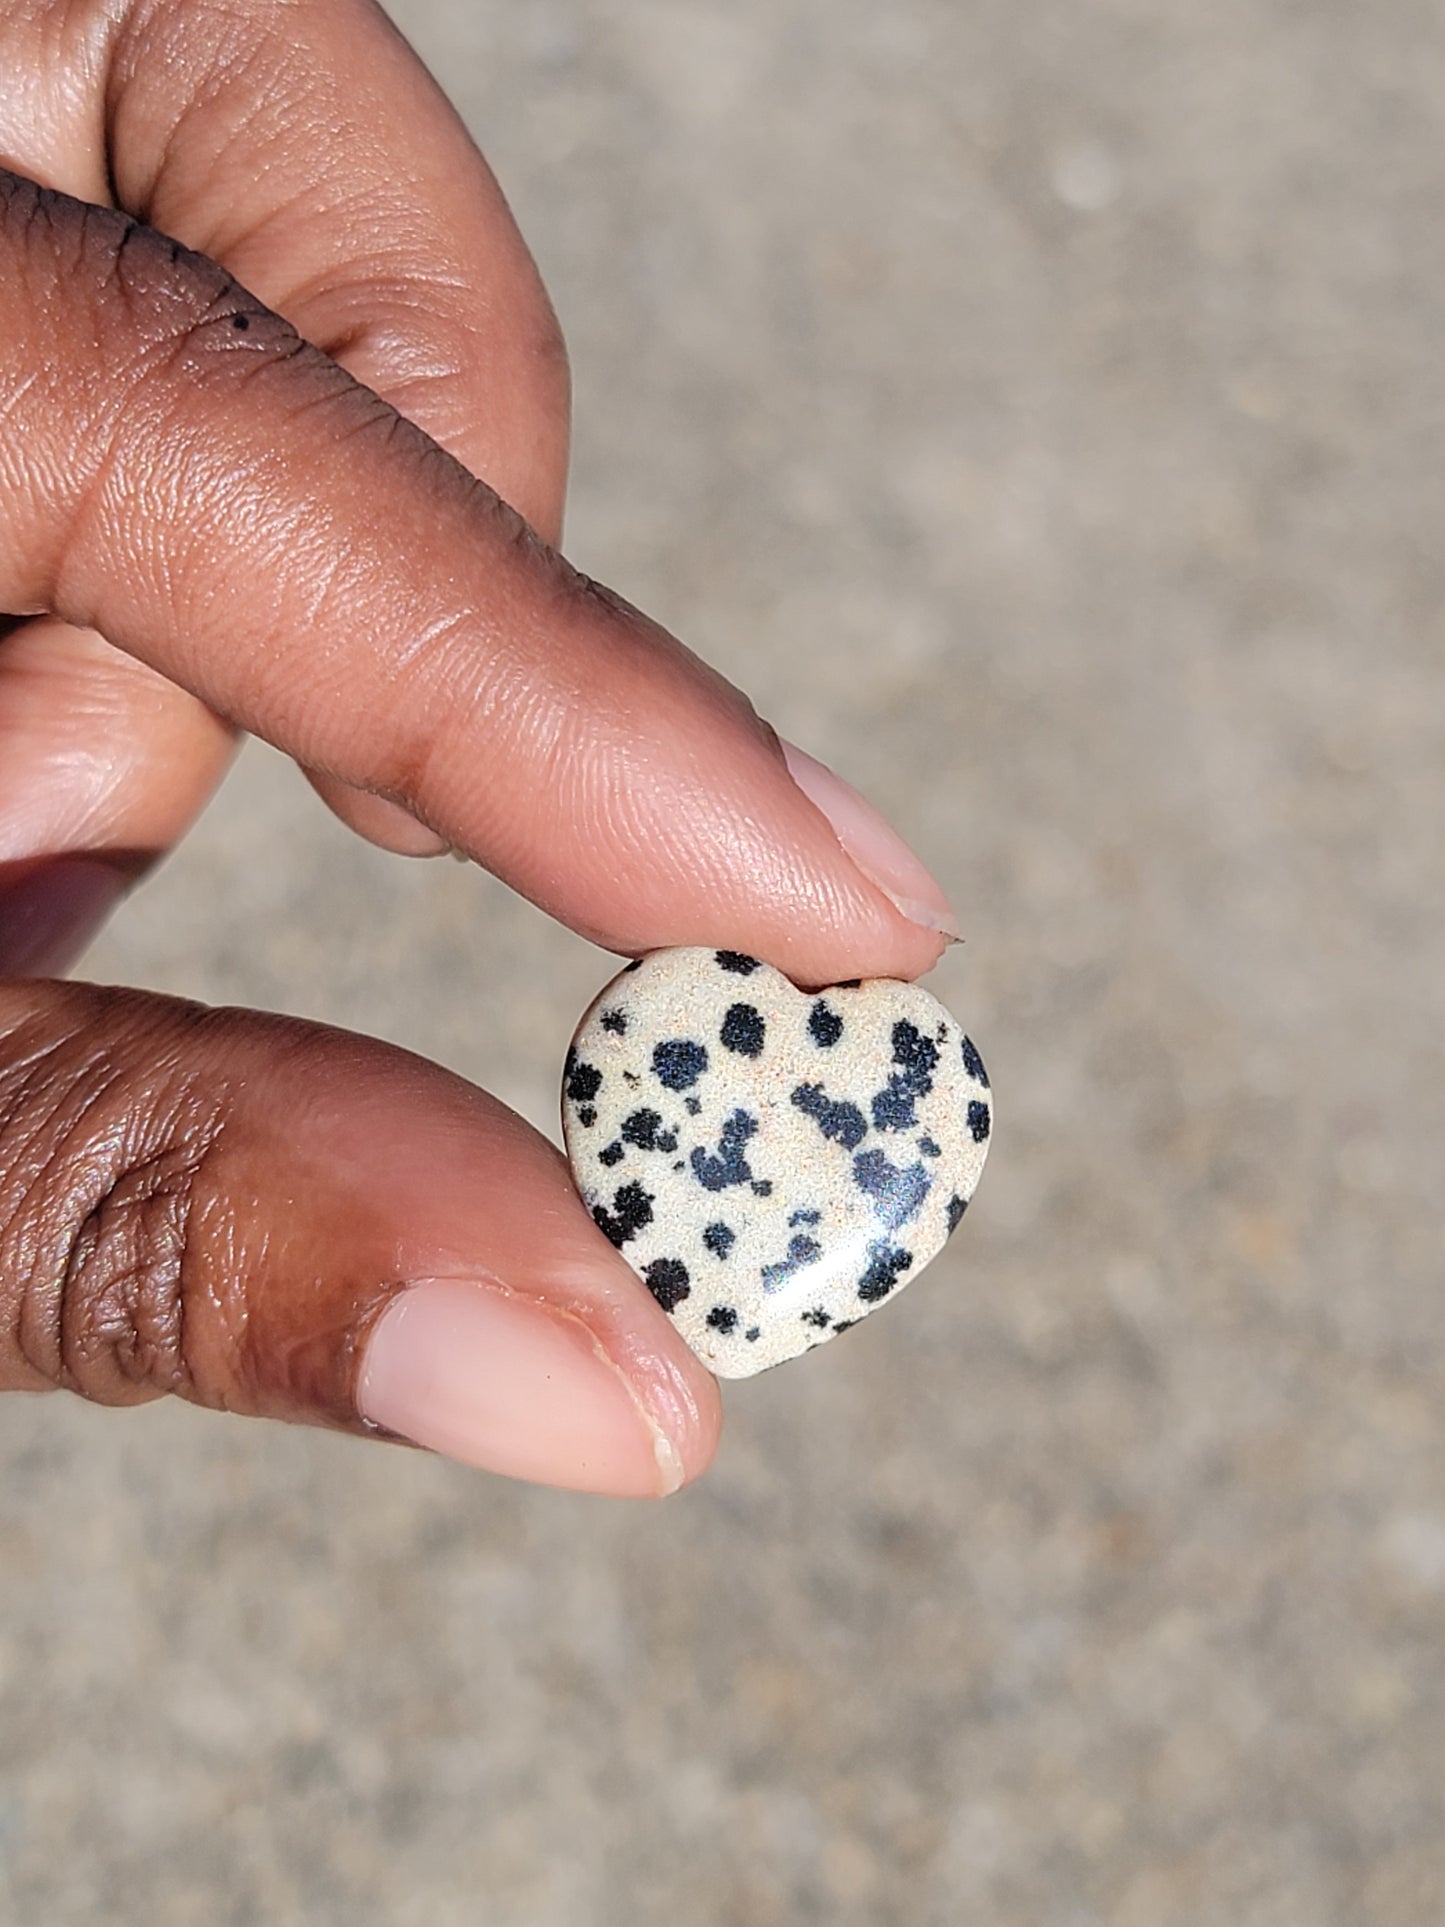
[376, 818]
[508, 1384]
[679, 1397]
[52, 909]
[870, 841]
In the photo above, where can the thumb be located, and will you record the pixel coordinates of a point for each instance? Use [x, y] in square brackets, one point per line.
[273, 1218]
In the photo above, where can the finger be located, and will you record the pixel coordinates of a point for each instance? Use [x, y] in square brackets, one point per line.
[97, 752]
[308, 150]
[103, 765]
[270, 1218]
[314, 568]
[312, 153]
[415, 278]
[51, 909]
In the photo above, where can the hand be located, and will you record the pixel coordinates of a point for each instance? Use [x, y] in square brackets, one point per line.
[238, 491]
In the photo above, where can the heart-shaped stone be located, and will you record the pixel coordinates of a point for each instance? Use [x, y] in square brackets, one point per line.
[774, 1163]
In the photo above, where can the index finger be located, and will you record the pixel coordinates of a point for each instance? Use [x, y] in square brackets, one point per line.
[186, 475]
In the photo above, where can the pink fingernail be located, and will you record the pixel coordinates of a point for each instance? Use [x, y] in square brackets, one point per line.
[512, 1386]
[873, 844]
[49, 916]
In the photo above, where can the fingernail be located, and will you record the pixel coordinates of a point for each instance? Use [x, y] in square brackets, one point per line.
[49, 916]
[512, 1386]
[873, 844]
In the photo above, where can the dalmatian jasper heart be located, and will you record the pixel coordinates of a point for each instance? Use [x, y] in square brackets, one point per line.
[773, 1163]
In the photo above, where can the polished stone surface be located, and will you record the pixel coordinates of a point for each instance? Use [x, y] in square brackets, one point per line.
[1039, 410]
[774, 1164]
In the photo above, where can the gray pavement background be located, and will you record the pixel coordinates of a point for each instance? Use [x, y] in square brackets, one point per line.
[1039, 409]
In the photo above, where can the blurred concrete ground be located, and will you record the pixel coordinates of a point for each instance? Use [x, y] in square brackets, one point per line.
[1039, 409]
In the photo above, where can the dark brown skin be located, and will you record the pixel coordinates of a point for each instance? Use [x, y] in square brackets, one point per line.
[283, 443]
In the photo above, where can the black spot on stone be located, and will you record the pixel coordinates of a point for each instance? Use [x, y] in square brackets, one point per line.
[979, 1121]
[735, 961]
[615, 1021]
[715, 1172]
[587, 1116]
[631, 1211]
[679, 1166]
[916, 1053]
[973, 1063]
[956, 1208]
[644, 1129]
[817, 1316]
[886, 1264]
[678, 1063]
[841, 1121]
[743, 1031]
[892, 1107]
[719, 1239]
[762, 1187]
[753, 1334]
[929, 1148]
[722, 1318]
[611, 1154]
[584, 1081]
[845, 1325]
[801, 1251]
[804, 1217]
[694, 1106]
[897, 1191]
[940, 1036]
[241, 321]
[825, 1026]
[668, 1282]
[631, 1080]
[918, 1057]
